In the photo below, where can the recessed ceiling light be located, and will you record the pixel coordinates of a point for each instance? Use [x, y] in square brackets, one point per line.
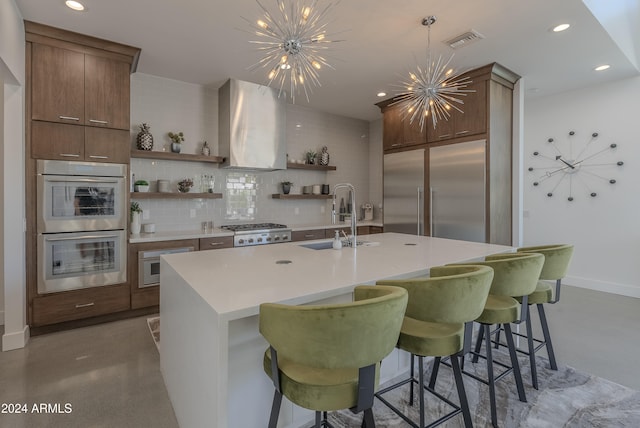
[382, 94]
[561, 27]
[602, 67]
[75, 5]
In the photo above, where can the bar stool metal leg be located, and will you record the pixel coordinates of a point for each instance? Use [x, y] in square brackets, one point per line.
[547, 337]
[490, 377]
[514, 362]
[532, 353]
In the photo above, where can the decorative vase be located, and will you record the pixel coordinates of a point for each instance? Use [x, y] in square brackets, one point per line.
[324, 157]
[175, 147]
[135, 223]
[144, 140]
[206, 151]
[286, 188]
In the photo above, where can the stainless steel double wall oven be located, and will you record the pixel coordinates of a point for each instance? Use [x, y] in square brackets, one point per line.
[81, 224]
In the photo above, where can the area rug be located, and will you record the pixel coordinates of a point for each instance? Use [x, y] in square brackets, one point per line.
[154, 328]
[566, 398]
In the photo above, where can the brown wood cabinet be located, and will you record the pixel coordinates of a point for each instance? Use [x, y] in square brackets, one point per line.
[368, 230]
[71, 142]
[77, 304]
[216, 243]
[77, 108]
[307, 235]
[397, 131]
[472, 120]
[78, 88]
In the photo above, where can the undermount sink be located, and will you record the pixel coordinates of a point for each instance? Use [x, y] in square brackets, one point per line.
[329, 244]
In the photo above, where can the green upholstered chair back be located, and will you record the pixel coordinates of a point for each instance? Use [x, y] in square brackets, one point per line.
[452, 294]
[347, 335]
[556, 259]
[514, 274]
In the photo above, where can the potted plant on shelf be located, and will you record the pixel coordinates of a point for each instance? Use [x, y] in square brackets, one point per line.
[136, 211]
[141, 186]
[286, 187]
[185, 185]
[176, 140]
[311, 157]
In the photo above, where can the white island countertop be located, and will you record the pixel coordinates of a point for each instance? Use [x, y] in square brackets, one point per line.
[236, 281]
[211, 349]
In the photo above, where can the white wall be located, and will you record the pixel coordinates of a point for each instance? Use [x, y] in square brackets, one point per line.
[170, 105]
[12, 252]
[606, 229]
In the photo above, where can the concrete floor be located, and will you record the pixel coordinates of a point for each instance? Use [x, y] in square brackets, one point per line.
[110, 374]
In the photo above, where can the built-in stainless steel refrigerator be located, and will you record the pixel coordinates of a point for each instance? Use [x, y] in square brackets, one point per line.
[456, 205]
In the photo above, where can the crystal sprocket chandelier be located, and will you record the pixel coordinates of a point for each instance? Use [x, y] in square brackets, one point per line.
[293, 41]
[432, 90]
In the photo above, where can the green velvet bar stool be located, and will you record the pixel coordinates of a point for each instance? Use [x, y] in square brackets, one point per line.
[327, 357]
[438, 323]
[515, 275]
[556, 263]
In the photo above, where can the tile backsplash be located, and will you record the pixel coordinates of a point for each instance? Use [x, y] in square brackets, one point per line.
[169, 105]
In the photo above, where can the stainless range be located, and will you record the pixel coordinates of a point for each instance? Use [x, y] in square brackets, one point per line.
[258, 234]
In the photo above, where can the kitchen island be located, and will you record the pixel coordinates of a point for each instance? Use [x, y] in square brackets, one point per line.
[210, 348]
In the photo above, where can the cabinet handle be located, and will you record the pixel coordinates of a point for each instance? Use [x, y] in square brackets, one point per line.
[101, 122]
[311, 235]
[396, 145]
[69, 155]
[462, 132]
[77, 119]
[215, 244]
[445, 136]
[98, 157]
[84, 305]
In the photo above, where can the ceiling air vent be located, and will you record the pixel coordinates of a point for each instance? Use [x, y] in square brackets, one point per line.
[464, 39]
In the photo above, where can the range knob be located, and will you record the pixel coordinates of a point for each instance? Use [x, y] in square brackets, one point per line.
[250, 240]
[268, 239]
[285, 237]
[277, 238]
[259, 239]
[240, 241]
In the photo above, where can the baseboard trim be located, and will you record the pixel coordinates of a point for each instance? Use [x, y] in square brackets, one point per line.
[607, 287]
[17, 340]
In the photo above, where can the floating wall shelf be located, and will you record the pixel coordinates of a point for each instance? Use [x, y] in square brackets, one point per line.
[310, 167]
[176, 195]
[290, 196]
[148, 154]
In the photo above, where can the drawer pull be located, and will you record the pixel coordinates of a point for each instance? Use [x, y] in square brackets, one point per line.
[462, 132]
[215, 244]
[98, 157]
[69, 155]
[77, 119]
[396, 145]
[101, 122]
[311, 235]
[84, 305]
[445, 136]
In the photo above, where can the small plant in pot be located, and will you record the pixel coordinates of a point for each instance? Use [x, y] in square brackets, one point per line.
[311, 157]
[136, 212]
[286, 187]
[141, 186]
[185, 185]
[176, 140]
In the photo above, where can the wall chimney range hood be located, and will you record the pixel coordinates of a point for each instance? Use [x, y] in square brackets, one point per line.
[251, 126]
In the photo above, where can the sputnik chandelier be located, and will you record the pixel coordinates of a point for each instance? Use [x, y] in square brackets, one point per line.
[432, 90]
[292, 41]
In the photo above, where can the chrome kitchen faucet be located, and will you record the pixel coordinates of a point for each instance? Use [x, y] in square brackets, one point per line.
[352, 195]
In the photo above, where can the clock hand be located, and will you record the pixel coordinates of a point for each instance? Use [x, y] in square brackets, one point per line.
[565, 162]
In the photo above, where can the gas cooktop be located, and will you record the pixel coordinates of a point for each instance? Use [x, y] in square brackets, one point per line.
[258, 233]
[253, 227]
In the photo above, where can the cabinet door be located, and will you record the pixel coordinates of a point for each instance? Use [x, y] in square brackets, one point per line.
[445, 129]
[57, 141]
[474, 119]
[399, 131]
[216, 243]
[106, 145]
[107, 88]
[57, 81]
[307, 235]
[78, 304]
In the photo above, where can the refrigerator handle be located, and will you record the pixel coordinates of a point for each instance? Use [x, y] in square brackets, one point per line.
[431, 231]
[419, 222]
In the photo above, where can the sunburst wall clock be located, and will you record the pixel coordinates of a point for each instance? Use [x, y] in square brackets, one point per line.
[574, 169]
